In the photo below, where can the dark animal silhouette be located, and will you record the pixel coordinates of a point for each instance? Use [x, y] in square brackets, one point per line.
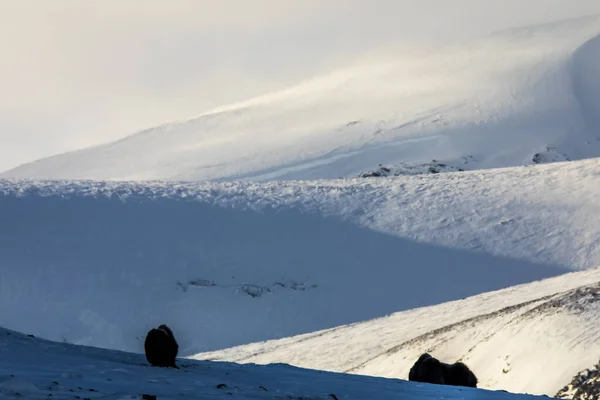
[458, 374]
[161, 347]
[427, 369]
[430, 370]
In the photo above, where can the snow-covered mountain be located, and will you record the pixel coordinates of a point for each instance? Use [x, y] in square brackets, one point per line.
[231, 263]
[531, 338]
[370, 272]
[35, 369]
[518, 97]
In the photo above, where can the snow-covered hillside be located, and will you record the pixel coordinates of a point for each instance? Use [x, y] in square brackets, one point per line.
[518, 97]
[35, 369]
[531, 338]
[232, 263]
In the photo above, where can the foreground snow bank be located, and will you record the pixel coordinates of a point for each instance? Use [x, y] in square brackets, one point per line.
[39, 370]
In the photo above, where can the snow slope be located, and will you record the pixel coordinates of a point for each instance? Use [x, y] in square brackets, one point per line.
[232, 263]
[531, 338]
[504, 100]
[36, 369]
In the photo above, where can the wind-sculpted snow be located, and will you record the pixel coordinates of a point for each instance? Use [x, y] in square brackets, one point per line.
[527, 339]
[499, 100]
[231, 263]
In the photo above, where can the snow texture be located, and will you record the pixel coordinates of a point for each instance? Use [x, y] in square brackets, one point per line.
[531, 338]
[501, 100]
[226, 264]
[423, 219]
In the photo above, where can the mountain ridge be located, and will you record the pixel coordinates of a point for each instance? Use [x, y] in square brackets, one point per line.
[500, 100]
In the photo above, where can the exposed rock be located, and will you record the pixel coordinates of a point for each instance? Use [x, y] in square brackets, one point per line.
[584, 386]
[433, 167]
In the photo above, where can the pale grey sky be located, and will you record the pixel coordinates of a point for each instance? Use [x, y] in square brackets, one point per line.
[75, 73]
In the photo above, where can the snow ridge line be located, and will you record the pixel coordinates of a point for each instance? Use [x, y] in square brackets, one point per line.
[427, 335]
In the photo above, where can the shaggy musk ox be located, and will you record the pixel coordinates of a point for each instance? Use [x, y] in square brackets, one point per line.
[458, 374]
[430, 370]
[161, 347]
[427, 369]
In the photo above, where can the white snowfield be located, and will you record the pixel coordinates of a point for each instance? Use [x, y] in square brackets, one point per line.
[87, 260]
[531, 338]
[226, 264]
[35, 369]
[505, 100]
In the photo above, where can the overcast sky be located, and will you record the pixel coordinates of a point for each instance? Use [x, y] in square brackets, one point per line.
[75, 73]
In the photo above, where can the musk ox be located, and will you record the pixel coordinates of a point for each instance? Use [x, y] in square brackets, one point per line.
[430, 370]
[458, 374]
[427, 369]
[161, 347]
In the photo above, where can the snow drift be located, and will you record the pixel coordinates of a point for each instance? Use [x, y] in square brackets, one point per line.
[225, 264]
[532, 338]
[504, 100]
